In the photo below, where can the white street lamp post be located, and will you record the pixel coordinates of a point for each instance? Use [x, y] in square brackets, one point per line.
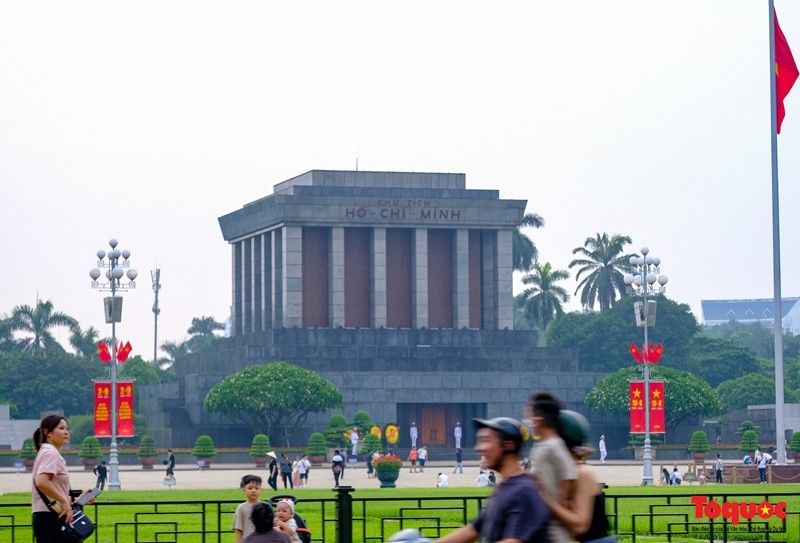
[642, 281]
[115, 265]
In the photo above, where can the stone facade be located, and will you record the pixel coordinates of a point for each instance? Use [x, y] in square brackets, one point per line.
[394, 286]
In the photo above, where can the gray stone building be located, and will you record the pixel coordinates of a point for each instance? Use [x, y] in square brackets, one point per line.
[397, 287]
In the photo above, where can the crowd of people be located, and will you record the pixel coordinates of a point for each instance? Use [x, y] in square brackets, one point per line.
[552, 495]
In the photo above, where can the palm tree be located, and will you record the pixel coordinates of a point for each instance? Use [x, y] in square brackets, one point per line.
[174, 350]
[203, 336]
[7, 342]
[544, 299]
[604, 266]
[524, 252]
[204, 326]
[85, 343]
[39, 321]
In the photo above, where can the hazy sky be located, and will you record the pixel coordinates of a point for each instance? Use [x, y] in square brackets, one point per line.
[146, 121]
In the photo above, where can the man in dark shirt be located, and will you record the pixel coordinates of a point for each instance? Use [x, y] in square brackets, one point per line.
[515, 513]
[102, 474]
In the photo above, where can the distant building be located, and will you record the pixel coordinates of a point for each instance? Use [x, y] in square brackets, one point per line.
[748, 311]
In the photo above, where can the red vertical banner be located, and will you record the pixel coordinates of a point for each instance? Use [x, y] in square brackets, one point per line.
[102, 409]
[657, 417]
[637, 406]
[125, 409]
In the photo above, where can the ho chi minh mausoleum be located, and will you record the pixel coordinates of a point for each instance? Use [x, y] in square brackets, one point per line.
[397, 287]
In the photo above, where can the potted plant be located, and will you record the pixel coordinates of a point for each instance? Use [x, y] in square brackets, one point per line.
[699, 446]
[637, 444]
[317, 451]
[90, 452]
[794, 446]
[147, 452]
[204, 451]
[259, 449]
[749, 441]
[387, 469]
[28, 453]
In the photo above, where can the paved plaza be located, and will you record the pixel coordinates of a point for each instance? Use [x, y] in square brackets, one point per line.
[229, 475]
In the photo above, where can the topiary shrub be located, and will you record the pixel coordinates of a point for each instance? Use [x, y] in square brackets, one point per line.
[204, 447]
[260, 445]
[317, 450]
[334, 433]
[371, 443]
[699, 442]
[28, 451]
[749, 441]
[363, 422]
[794, 446]
[90, 451]
[147, 447]
[90, 448]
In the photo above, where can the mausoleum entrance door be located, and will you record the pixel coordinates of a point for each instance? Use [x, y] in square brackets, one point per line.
[434, 427]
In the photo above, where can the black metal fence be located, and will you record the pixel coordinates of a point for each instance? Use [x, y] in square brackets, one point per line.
[344, 518]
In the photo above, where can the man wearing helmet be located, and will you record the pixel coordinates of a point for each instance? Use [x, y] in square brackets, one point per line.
[515, 513]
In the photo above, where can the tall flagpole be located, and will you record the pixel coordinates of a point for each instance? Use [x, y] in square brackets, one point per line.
[777, 311]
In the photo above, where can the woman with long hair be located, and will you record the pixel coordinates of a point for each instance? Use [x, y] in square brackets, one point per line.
[50, 476]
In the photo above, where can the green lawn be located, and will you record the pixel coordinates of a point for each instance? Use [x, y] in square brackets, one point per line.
[152, 515]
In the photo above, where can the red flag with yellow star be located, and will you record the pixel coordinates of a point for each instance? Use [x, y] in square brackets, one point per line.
[785, 71]
[103, 353]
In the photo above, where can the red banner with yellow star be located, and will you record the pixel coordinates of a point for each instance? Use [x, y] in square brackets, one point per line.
[637, 406]
[637, 399]
[657, 416]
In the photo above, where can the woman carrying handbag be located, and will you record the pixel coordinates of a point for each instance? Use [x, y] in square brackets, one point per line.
[51, 479]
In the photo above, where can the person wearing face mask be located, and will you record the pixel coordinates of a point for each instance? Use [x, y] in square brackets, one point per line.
[51, 478]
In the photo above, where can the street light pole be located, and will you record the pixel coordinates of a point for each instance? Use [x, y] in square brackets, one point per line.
[642, 281]
[115, 264]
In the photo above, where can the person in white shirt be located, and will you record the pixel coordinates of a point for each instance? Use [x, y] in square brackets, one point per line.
[602, 448]
[422, 456]
[763, 460]
[442, 480]
[482, 479]
[304, 467]
[412, 433]
[354, 440]
[676, 476]
[457, 435]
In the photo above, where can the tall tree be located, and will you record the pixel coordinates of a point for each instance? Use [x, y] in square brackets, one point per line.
[524, 251]
[204, 326]
[38, 321]
[603, 339]
[85, 342]
[275, 396]
[7, 342]
[174, 350]
[202, 332]
[603, 266]
[684, 394]
[544, 299]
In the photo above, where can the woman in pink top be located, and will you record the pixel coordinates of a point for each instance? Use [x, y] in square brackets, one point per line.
[50, 475]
